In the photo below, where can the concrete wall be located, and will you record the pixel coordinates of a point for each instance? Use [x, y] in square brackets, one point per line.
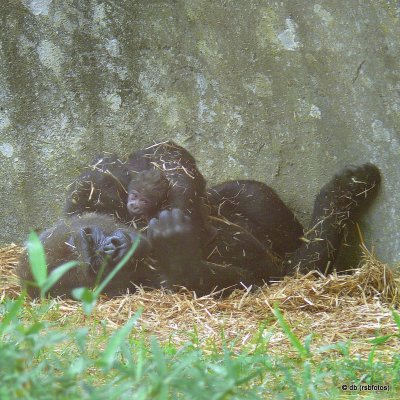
[284, 92]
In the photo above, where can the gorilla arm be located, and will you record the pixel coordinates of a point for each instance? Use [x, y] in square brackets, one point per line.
[167, 177]
[178, 253]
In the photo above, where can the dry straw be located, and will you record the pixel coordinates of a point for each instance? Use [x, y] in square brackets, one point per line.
[354, 306]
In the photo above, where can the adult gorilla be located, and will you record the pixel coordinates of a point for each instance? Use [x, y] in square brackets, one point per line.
[257, 238]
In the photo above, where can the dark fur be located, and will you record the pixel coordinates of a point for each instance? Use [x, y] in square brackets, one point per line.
[92, 240]
[147, 194]
[101, 188]
[165, 175]
[258, 210]
[258, 238]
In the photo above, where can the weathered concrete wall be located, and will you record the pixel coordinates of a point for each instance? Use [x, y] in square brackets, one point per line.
[284, 92]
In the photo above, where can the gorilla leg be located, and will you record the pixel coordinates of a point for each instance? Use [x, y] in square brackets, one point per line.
[257, 208]
[337, 203]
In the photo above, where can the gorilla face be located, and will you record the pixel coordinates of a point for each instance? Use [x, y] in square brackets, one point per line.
[97, 242]
[97, 247]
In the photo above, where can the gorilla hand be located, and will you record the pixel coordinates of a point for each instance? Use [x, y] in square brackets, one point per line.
[175, 246]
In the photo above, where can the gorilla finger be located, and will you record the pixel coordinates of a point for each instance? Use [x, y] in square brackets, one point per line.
[153, 223]
[165, 218]
[153, 229]
[177, 215]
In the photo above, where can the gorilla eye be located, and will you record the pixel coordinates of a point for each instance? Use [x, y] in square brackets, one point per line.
[87, 231]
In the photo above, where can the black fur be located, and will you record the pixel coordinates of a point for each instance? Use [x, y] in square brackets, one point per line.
[257, 238]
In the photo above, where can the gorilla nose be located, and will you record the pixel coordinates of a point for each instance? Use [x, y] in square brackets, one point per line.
[114, 246]
[133, 208]
[109, 249]
[118, 244]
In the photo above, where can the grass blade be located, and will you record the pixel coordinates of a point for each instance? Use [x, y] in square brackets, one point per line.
[56, 275]
[12, 313]
[37, 258]
[289, 333]
[396, 318]
[110, 352]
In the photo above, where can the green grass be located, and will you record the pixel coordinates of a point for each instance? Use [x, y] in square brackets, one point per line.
[41, 360]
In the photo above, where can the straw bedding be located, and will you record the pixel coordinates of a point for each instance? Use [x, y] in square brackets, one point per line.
[336, 308]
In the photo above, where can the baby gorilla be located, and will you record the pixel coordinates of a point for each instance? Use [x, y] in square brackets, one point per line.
[159, 177]
[258, 238]
[147, 194]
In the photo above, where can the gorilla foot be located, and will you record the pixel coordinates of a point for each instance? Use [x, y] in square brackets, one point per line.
[348, 190]
[338, 201]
